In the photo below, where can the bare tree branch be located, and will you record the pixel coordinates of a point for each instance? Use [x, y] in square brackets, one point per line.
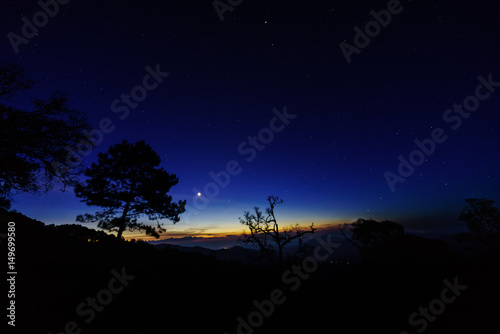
[265, 231]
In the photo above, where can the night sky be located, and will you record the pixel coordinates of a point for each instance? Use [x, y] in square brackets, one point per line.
[270, 92]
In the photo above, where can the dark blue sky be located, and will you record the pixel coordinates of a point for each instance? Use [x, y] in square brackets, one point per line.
[352, 120]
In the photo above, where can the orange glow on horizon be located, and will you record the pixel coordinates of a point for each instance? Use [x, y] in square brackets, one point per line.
[225, 233]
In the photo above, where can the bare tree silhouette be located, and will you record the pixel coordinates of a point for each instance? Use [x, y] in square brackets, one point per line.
[265, 232]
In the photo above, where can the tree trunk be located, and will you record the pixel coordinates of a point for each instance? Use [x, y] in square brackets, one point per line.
[123, 220]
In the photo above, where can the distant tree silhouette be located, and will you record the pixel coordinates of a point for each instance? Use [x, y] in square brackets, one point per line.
[31, 141]
[127, 182]
[482, 216]
[79, 232]
[12, 81]
[367, 234]
[410, 249]
[265, 231]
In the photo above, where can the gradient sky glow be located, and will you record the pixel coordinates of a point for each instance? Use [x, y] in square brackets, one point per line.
[225, 78]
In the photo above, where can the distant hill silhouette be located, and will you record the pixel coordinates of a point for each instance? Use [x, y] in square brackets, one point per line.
[236, 253]
[346, 253]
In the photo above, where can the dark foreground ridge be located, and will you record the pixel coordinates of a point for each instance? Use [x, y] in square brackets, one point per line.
[71, 277]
